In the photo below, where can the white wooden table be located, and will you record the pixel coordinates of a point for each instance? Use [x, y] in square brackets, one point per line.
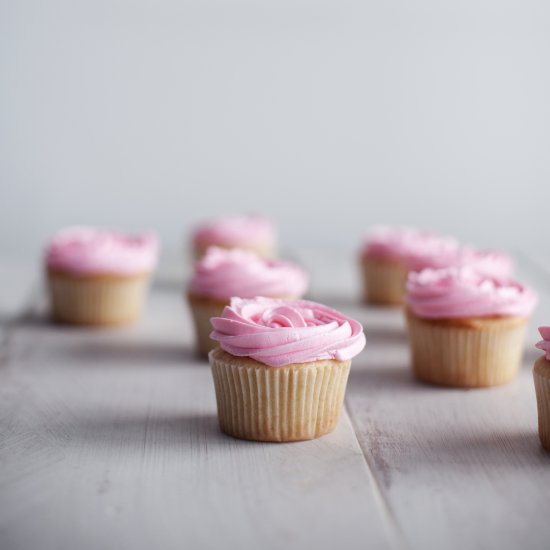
[109, 440]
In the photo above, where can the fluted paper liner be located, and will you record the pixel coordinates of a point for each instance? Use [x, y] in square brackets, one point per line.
[202, 310]
[97, 299]
[289, 403]
[541, 375]
[384, 282]
[466, 353]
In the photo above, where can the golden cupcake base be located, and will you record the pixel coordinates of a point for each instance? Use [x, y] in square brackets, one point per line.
[291, 403]
[100, 300]
[466, 353]
[541, 376]
[202, 309]
[268, 251]
[383, 282]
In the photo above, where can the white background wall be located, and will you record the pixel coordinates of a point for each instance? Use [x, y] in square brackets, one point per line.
[327, 115]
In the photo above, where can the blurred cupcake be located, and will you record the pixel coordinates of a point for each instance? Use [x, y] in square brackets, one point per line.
[281, 370]
[254, 233]
[222, 274]
[390, 253]
[541, 375]
[99, 277]
[493, 263]
[466, 329]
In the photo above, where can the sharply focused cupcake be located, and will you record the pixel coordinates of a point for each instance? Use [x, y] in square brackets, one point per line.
[97, 276]
[281, 370]
[248, 232]
[390, 253]
[466, 329]
[222, 273]
[541, 375]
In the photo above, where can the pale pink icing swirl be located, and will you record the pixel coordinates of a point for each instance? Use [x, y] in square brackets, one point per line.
[489, 262]
[235, 231]
[281, 332]
[223, 273]
[88, 251]
[416, 249]
[463, 292]
[420, 250]
[544, 344]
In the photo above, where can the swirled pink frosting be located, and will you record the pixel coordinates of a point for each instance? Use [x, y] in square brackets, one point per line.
[87, 251]
[223, 273]
[464, 292]
[417, 249]
[544, 344]
[281, 332]
[235, 231]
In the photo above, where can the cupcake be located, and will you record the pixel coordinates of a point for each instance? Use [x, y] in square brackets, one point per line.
[223, 273]
[541, 375]
[389, 254]
[466, 329]
[494, 263]
[281, 368]
[254, 233]
[99, 277]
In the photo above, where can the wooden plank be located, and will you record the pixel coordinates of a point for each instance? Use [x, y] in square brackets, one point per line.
[458, 468]
[109, 440]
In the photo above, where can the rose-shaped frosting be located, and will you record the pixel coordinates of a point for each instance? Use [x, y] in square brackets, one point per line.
[87, 251]
[223, 273]
[461, 292]
[235, 231]
[417, 249]
[489, 262]
[281, 332]
[544, 344]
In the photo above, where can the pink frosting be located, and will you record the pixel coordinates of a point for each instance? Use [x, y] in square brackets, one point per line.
[544, 344]
[417, 249]
[223, 273]
[281, 332]
[461, 292]
[86, 250]
[420, 250]
[235, 231]
[489, 262]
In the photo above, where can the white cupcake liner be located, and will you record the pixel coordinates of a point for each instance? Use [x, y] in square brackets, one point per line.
[98, 299]
[290, 403]
[466, 353]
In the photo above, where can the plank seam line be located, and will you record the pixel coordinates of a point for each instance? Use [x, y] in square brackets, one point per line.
[397, 538]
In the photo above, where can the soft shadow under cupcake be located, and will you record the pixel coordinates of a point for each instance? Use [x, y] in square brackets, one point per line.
[171, 431]
[130, 354]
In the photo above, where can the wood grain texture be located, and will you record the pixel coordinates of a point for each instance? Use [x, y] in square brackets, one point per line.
[109, 439]
[457, 468]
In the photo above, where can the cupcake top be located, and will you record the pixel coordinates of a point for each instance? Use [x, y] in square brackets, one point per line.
[223, 273]
[417, 249]
[89, 251]
[462, 292]
[544, 344]
[489, 262]
[282, 332]
[235, 231]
